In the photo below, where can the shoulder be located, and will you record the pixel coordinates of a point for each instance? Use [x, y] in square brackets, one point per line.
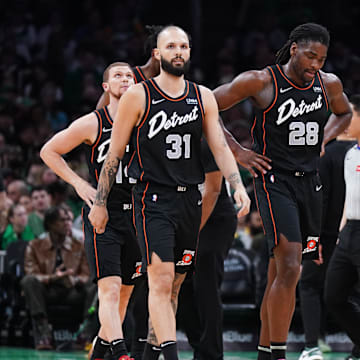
[261, 78]
[39, 243]
[350, 152]
[135, 93]
[331, 82]
[85, 121]
[84, 129]
[207, 97]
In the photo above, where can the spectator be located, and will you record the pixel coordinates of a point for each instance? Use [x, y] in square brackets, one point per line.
[40, 199]
[25, 200]
[17, 228]
[56, 273]
[15, 189]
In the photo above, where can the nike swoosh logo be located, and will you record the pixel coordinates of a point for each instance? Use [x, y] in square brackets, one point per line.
[285, 90]
[318, 188]
[106, 130]
[142, 340]
[199, 202]
[154, 102]
[117, 342]
[103, 343]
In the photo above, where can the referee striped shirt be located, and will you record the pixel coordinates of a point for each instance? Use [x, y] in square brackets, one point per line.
[352, 181]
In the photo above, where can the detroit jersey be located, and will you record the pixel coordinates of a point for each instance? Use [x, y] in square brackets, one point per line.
[290, 131]
[167, 139]
[95, 155]
[138, 74]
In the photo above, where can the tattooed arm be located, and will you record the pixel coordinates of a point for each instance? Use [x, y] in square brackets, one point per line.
[221, 151]
[129, 111]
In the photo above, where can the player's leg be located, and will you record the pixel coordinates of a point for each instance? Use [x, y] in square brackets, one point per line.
[109, 289]
[280, 216]
[161, 276]
[125, 294]
[152, 350]
[311, 292]
[281, 297]
[140, 314]
[264, 352]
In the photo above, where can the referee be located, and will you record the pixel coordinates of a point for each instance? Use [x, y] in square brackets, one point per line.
[343, 273]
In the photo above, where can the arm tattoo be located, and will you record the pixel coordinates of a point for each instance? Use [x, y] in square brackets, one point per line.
[234, 179]
[107, 178]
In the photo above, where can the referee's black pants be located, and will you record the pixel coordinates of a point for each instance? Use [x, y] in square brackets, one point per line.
[203, 323]
[311, 290]
[342, 281]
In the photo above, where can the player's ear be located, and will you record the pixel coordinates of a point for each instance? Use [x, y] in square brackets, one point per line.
[105, 86]
[157, 54]
[293, 48]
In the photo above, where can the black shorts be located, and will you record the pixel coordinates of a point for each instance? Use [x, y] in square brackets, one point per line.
[116, 251]
[167, 223]
[291, 205]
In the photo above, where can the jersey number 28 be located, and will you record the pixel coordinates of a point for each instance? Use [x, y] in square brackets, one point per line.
[303, 133]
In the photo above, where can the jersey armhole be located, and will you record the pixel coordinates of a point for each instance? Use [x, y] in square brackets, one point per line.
[93, 146]
[198, 95]
[147, 104]
[324, 90]
[275, 89]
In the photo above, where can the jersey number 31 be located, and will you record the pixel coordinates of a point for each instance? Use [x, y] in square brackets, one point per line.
[180, 146]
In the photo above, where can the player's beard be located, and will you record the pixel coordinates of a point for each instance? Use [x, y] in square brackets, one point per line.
[168, 67]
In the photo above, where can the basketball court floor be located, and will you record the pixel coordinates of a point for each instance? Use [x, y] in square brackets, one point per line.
[7, 353]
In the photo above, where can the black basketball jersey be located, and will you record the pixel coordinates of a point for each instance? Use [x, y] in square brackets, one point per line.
[167, 139]
[96, 154]
[138, 74]
[290, 131]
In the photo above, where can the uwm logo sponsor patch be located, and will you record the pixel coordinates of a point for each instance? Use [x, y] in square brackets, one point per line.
[311, 244]
[187, 258]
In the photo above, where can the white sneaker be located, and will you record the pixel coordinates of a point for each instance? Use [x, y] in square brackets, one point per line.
[311, 354]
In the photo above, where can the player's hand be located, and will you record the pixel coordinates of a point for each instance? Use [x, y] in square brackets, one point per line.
[242, 201]
[251, 160]
[98, 217]
[322, 152]
[85, 191]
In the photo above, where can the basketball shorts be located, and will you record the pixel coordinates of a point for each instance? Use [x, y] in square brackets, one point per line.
[167, 222]
[291, 204]
[116, 251]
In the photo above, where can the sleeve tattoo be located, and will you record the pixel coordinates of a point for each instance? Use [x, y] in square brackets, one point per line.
[107, 178]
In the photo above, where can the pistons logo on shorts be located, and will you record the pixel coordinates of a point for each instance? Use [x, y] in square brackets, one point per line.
[137, 272]
[187, 258]
[311, 244]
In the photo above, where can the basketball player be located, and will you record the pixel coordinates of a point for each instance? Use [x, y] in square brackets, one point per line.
[343, 273]
[167, 116]
[292, 100]
[113, 256]
[146, 71]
